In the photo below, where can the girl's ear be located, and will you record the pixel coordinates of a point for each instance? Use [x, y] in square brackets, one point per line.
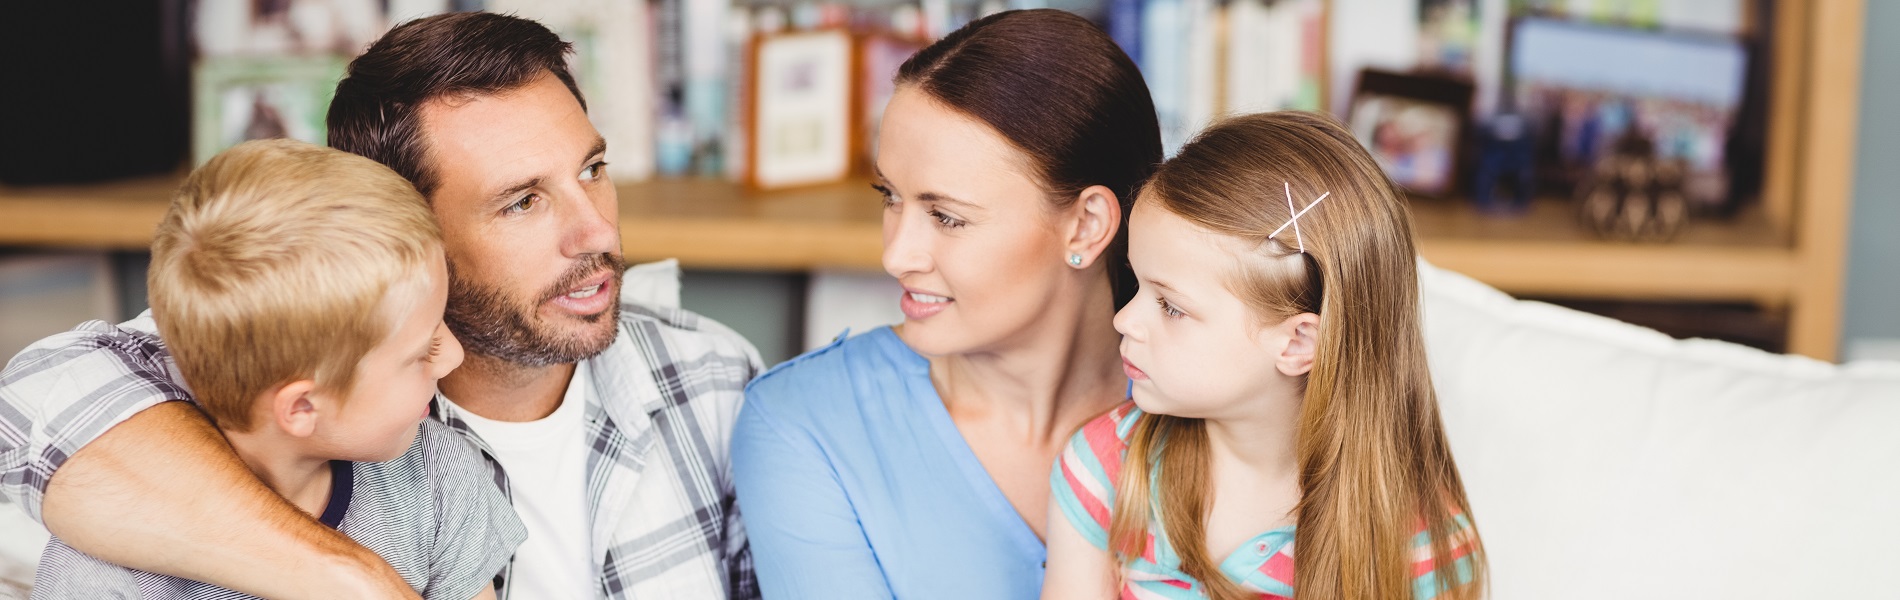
[1098, 215]
[1301, 332]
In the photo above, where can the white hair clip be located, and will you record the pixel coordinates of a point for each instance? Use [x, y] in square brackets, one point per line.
[1295, 221]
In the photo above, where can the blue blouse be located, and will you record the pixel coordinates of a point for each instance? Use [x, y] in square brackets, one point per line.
[854, 483]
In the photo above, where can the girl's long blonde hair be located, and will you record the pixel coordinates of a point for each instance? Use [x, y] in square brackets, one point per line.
[1374, 465]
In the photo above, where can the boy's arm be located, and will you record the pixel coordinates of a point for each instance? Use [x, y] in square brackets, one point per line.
[163, 492]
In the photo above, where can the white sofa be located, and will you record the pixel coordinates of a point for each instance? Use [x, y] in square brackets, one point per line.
[1605, 460]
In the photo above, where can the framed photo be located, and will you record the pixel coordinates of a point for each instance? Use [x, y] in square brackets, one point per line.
[1589, 85]
[1412, 124]
[879, 56]
[240, 99]
[799, 109]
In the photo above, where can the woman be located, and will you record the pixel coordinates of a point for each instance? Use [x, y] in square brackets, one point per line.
[912, 461]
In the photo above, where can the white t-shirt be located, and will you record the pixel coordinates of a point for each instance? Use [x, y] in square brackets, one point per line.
[546, 463]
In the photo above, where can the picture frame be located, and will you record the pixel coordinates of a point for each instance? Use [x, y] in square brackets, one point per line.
[237, 99]
[1587, 84]
[879, 57]
[1414, 126]
[800, 113]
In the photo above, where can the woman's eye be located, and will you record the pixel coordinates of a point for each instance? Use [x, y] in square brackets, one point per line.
[522, 205]
[889, 200]
[946, 220]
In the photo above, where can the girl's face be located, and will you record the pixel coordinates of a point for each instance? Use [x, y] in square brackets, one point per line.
[1190, 346]
[968, 231]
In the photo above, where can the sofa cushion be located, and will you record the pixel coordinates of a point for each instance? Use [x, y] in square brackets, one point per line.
[1603, 459]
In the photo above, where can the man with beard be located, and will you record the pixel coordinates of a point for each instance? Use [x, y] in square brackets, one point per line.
[605, 422]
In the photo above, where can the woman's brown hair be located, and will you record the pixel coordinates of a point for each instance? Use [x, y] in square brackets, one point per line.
[1061, 91]
[1374, 466]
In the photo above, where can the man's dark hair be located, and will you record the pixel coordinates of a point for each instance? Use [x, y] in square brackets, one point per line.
[377, 109]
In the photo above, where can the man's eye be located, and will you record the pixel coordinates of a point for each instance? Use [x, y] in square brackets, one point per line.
[594, 171]
[522, 205]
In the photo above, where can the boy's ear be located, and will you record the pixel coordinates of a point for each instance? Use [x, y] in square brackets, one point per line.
[1098, 215]
[292, 409]
[1302, 344]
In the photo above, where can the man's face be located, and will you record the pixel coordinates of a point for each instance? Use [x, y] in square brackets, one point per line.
[530, 223]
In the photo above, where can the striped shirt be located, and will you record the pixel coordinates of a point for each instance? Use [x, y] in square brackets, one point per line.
[1083, 485]
[667, 391]
[430, 513]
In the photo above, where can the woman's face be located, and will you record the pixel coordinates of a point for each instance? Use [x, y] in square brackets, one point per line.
[968, 231]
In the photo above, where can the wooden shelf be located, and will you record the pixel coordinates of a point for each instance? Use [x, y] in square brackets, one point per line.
[715, 224]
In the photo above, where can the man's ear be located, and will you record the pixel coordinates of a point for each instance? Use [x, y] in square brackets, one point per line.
[293, 409]
[1098, 215]
[1301, 332]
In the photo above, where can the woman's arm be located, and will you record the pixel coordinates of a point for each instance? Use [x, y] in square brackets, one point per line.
[163, 492]
[806, 539]
[1077, 569]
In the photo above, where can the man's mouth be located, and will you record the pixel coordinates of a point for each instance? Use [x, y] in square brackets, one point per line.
[586, 292]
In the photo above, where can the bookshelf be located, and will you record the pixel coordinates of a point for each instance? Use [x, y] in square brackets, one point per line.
[1788, 251]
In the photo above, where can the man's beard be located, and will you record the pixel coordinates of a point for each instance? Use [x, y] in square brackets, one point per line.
[489, 323]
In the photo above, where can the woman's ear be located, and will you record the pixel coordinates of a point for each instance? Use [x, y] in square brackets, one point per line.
[1301, 333]
[293, 409]
[1098, 215]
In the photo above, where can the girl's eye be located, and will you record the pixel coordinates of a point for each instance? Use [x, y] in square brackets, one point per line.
[889, 200]
[1168, 309]
[946, 220]
[594, 171]
[522, 205]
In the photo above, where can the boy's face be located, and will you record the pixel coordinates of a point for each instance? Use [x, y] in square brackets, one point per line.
[395, 381]
[530, 223]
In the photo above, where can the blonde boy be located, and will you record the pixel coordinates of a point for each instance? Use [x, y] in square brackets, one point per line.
[300, 290]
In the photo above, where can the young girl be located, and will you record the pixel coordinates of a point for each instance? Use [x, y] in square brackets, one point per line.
[1281, 397]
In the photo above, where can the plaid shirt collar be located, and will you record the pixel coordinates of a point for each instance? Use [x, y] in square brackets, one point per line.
[648, 391]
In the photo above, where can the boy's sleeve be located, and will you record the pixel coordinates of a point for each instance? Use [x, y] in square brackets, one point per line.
[65, 391]
[65, 572]
[476, 530]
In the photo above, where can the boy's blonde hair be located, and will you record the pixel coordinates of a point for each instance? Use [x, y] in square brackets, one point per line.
[272, 266]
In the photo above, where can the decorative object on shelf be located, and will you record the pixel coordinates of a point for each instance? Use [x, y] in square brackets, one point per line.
[799, 109]
[1591, 84]
[1632, 194]
[240, 99]
[1412, 124]
[1506, 177]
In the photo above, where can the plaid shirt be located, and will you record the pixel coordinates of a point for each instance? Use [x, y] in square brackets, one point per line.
[664, 523]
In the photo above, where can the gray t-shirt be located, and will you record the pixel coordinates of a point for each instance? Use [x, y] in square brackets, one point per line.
[434, 513]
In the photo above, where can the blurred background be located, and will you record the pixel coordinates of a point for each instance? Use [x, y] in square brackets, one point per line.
[1709, 168]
